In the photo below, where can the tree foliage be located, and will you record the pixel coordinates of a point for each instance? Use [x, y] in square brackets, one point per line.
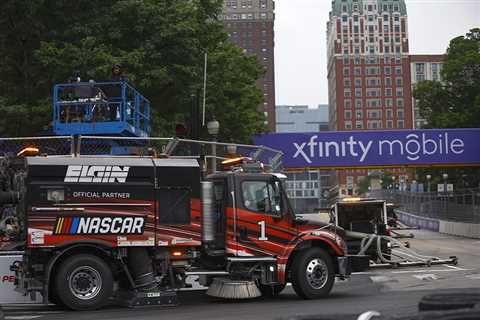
[455, 102]
[160, 44]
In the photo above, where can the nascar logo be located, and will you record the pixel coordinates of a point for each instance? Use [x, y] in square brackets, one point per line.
[99, 225]
[97, 174]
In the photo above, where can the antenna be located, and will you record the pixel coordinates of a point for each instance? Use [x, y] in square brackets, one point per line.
[204, 88]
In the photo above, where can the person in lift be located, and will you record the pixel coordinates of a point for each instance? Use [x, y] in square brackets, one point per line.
[115, 92]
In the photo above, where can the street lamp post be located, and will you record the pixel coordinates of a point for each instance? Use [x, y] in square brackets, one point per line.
[445, 178]
[213, 128]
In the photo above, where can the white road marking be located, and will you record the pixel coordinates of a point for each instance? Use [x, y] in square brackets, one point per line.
[430, 270]
[380, 279]
[426, 277]
[21, 317]
[474, 276]
[454, 267]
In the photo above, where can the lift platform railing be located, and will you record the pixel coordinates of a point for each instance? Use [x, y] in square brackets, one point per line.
[107, 108]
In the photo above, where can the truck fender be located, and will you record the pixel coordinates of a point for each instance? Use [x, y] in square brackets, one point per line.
[97, 247]
[305, 242]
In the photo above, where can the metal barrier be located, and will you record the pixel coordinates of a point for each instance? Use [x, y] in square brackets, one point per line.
[459, 206]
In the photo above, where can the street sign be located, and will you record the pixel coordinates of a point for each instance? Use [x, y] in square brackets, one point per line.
[441, 187]
[376, 149]
[449, 187]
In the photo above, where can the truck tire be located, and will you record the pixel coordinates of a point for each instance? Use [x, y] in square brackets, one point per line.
[312, 273]
[271, 291]
[84, 282]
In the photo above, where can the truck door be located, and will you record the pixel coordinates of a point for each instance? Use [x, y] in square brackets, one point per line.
[261, 223]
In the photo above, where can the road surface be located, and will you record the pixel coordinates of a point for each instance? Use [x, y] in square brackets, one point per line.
[390, 291]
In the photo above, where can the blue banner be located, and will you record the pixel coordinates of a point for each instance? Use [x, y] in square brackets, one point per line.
[346, 149]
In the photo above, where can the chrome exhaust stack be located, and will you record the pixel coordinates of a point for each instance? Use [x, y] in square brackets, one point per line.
[208, 213]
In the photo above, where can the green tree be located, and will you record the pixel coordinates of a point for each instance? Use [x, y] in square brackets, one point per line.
[160, 44]
[455, 102]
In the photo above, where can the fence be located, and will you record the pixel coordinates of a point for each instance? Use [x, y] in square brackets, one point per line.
[59, 145]
[459, 206]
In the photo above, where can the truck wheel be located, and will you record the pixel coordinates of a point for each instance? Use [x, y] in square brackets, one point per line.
[271, 291]
[84, 282]
[313, 274]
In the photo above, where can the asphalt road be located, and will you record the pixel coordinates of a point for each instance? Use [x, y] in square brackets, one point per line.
[389, 291]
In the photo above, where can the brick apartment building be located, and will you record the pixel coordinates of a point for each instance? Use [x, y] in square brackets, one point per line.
[368, 72]
[424, 67]
[249, 24]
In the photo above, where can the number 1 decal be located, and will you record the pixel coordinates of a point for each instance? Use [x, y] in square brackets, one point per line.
[263, 236]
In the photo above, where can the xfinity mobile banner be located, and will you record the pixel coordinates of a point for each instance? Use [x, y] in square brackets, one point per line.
[376, 148]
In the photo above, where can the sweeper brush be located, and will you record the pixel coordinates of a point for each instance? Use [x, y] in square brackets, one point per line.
[233, 289]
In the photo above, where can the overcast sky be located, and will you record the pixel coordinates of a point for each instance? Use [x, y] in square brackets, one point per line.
[300, 41]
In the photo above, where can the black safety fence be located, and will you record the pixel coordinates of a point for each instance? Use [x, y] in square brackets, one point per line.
[58, 145]
[211, 152]
[458, 206]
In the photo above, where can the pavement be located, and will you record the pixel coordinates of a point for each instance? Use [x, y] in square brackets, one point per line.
[389, 291]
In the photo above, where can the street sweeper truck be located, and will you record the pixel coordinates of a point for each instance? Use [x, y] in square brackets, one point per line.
[97, 229]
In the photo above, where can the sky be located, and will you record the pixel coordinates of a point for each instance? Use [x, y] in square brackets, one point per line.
[301, 48]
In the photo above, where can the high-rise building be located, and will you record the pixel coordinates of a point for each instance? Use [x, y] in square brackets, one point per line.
[249, 24]
[301, 118]
[368, 71]
[307, 189]
[424, 67]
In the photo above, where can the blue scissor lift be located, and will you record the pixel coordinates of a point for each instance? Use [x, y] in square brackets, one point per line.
[101, 109]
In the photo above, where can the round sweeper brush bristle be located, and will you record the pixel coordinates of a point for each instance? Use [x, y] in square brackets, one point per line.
[233, 289]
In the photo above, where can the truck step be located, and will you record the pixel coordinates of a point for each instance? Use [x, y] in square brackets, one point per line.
[133, 299]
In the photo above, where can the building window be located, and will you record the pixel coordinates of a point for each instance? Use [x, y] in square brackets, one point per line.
[348, 125]
[344, 18]
[386, 28]
[400, 114]
[346, 83]
[420, 77]
[348, 115]
[347, 93]
[399, 92]
[348, 104]
[388, 92]
[358, 71]
[388, 71]
[358, 82]
[358, 104]
[389, 114]
[389, 102]
[400, 103]
[420, 67]
[388, 82]
[374, 114]
[358, 92]
[400, 124]
[346, 60]
[355, 18]
[399, 82]
[359, 125]
[389, 124]
[357, 60]
[346, 72]
[359, 114]
[398, 70]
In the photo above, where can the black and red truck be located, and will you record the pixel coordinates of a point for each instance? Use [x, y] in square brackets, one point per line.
[133, 229]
